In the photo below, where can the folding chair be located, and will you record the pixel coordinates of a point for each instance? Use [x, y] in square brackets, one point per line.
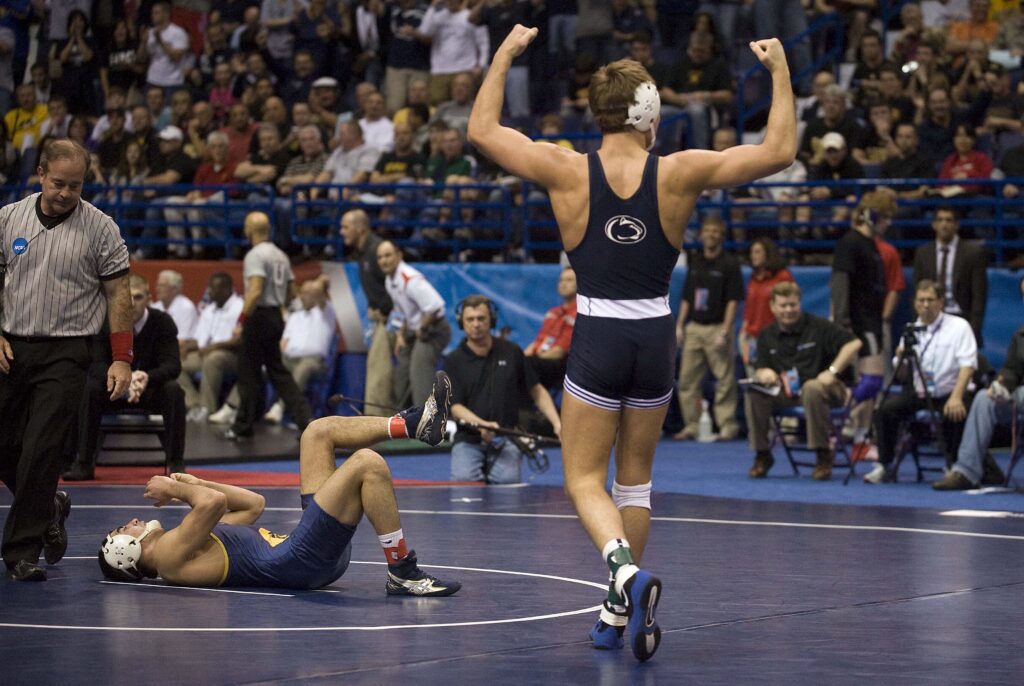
[918, 437]
[131, 422]
[791, 437]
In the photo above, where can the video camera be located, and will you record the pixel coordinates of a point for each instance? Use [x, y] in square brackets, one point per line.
[910, 332]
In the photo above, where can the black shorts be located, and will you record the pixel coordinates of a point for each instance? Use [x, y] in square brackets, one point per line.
[616, 363]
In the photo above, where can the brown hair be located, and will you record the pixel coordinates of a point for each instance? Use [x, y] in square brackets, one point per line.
[785, 289]
[612, 92]
[877, 201]
[63, 149]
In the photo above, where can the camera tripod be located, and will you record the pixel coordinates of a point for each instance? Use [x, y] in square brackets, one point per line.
[909, 361]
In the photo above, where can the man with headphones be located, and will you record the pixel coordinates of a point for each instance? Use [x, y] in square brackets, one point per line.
[490, 377]
[860, 299]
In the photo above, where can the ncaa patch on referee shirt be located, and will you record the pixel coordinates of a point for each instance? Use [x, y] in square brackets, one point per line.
[19, 246]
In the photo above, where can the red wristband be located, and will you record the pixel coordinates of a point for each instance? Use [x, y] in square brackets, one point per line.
[241, 319]
[121, 346]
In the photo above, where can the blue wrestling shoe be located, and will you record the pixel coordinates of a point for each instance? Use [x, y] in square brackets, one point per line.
[605, 636]
[406, 578]
[431, 420]
[643, 591]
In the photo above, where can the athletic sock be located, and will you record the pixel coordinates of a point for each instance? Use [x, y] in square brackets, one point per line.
[397, 427]
[394, 546]
[619, 557]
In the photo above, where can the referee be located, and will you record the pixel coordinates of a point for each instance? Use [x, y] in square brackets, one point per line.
[64, 265]
[269, 286]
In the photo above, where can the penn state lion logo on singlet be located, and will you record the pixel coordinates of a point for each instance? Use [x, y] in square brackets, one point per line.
[625, 230]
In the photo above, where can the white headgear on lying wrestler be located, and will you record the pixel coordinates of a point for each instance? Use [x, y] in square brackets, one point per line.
[645, 108]
[122, 552]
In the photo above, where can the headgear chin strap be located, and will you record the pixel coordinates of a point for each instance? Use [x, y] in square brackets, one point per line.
[645, 108]
[123, 552]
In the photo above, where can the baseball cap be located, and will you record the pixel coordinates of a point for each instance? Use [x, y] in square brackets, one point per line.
[833, 141]
[325, 82]
[171, 133]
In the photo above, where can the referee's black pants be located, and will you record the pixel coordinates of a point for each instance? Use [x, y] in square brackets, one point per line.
[38, 407]
[166, 399]
[261, 347]
[902, 407]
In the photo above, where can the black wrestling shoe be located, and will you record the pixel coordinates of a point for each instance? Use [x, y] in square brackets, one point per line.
[27, 571]
[55, 540]
[406, 578]
[431, 420]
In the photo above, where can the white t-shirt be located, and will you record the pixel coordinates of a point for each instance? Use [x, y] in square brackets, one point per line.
[412, 295]
[308, 333]
[217, 324]
[379, 134]
[184, 313]
[162, 71]
[343, 164]
[458, 45]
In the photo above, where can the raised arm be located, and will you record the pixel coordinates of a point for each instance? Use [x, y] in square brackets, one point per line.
[515, 152]
[244, 506]
[180, 544]
[746, 163]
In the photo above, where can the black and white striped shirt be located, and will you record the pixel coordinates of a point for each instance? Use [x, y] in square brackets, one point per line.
[53, 269]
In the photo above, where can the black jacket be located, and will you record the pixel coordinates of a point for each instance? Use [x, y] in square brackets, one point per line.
[970, 279]
[155, 346]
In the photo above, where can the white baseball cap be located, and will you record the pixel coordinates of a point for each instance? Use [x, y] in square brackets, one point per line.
[171, 133]
[833, 140]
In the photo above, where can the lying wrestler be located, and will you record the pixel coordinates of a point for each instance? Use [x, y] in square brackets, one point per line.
[217, 543]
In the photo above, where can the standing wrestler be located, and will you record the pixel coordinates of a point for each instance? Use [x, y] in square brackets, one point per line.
[64, 268]
[217, 545]
[621, 213]
[269, 285]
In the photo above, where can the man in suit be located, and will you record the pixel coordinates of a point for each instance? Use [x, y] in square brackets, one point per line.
[153, 386]
[958, 266]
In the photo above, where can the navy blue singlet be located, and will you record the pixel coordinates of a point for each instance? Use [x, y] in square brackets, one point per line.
[316, 553]
[623, 345]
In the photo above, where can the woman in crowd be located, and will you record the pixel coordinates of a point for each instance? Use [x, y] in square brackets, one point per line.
[769, 268]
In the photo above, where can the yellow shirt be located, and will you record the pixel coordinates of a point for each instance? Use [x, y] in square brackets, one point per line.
[402, 115]
[22, 123]
[997, 7]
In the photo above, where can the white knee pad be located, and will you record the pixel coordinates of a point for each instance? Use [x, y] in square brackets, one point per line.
[632, 496]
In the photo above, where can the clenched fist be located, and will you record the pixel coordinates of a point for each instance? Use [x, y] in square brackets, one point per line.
[770, 53]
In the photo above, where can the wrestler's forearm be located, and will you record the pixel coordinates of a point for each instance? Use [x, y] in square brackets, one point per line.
[781, 132]
[238, 498]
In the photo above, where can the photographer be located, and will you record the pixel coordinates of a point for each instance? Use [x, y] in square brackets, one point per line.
[947, 354]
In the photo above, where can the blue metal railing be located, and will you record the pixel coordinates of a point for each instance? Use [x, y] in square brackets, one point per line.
[491, 217]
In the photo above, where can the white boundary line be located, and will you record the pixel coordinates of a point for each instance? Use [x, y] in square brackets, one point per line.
[687, 520]
[514, 620]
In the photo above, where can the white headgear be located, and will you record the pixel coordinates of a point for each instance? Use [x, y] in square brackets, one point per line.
[645, 108]
[123, 552]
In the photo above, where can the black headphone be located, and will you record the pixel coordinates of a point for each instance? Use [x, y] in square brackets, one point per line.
[478, 300]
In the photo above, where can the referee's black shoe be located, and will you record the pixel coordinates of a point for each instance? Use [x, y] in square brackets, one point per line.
[79, 471]
[27, 571]
[55, 540]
